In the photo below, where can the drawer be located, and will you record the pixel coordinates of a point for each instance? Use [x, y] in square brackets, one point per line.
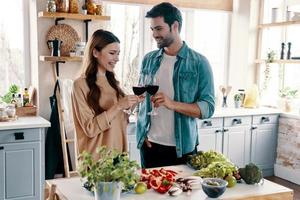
[237, 121]
[210, 123]
[265, 119]
[20, 135]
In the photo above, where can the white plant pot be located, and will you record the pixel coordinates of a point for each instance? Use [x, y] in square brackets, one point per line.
[108, 191]
[237, 104]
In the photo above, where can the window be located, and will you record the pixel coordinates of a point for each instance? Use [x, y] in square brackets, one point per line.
[280, 75]
[14, 44]
[128, 22]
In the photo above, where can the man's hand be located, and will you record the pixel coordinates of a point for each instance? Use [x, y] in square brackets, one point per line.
[160, 99]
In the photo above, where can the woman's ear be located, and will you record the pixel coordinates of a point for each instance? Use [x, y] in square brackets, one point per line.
[95, 53]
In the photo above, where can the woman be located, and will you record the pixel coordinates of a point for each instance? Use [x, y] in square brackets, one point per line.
[98, 101]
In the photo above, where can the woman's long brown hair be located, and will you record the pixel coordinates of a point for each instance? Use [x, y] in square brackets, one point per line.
[98, 41]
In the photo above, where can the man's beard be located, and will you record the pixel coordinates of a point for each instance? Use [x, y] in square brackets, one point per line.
[166, 42]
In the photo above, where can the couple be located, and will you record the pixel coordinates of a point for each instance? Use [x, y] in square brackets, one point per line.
[186, 93]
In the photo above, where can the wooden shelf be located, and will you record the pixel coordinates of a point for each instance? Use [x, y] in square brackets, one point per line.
[44, 14]
[288, 23]
[258, 61]
[61, 59]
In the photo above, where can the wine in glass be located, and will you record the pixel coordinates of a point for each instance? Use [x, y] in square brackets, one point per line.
[138, 90]
[152, 89]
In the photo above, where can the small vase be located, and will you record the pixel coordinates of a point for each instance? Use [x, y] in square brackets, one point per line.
[108, 191]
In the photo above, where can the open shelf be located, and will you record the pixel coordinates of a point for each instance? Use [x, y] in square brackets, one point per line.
[61, 58]
[288, 23]
[44, 14]
[291, 61]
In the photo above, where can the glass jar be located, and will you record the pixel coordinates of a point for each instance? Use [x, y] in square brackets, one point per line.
[51, 6]
[3, 114]
[11, 110]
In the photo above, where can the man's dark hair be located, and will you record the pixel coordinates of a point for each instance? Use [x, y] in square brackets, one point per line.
[169, 12]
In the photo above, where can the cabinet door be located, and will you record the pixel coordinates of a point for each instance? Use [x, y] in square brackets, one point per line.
[237, 141]
[2, 170]
[263, 148]
[22, 171]
[210, 139]
[134, 152]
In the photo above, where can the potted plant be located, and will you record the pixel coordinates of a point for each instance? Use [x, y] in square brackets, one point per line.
[287, 95]
[108, 175]
[237, 100]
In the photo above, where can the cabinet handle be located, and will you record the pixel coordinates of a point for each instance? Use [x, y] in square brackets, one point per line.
[207, 123]
[1, 148]
[218, 131]
[225, 130]
[19, 136]
[236, 121]
[254, 127]
[265, 119]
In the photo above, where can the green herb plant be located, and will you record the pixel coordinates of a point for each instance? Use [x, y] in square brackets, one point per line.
[237, 97]
[288, 93]
[112, 166]
[13, 89]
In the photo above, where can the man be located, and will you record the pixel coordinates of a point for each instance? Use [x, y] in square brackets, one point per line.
[186, 92]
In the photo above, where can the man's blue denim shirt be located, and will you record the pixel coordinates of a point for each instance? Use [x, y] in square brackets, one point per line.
[193, 83]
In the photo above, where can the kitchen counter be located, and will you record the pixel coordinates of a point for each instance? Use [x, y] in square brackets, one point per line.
[71, 189]
[25, 123]
[230, 112]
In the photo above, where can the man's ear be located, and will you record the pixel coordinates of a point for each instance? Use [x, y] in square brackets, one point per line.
[95, 53]
[175, 26]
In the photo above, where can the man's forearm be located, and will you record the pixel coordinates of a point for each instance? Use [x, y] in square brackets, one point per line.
[189, 109]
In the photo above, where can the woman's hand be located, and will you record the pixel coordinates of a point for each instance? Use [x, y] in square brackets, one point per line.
[128, 101]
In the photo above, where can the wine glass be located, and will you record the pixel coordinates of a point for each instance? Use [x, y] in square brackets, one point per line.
[152, 88]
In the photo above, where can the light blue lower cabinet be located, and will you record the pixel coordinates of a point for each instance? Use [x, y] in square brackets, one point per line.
[242, 139]
[21, 164]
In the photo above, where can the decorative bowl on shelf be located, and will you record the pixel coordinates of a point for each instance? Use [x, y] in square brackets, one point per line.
[214, 187]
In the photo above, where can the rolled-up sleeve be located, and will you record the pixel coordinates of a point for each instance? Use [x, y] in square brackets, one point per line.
[206, 99]
[85, 116]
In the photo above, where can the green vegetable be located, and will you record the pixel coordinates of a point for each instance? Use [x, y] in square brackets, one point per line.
[219, 169]
[203, 159]
[111, 166]
[251, 174]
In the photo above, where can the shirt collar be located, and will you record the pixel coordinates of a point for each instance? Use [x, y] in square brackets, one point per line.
[182, 52]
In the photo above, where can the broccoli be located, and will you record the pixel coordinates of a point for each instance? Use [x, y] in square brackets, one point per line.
[251, 174]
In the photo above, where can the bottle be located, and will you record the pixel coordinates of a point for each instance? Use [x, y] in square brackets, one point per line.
[19, 101]
[13, 100]
[25, 97]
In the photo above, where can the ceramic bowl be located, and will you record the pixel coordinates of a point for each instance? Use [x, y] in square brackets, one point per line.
[214, 187]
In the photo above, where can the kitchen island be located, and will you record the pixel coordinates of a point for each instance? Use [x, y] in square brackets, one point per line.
[72, 189]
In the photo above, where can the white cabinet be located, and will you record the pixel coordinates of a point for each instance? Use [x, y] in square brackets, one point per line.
[210, 134]
[237, 139]
[134, 152]
[264, 142]
[242, 139]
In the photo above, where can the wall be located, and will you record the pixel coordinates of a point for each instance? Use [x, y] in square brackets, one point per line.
[242, 48]
[243, 44]
[69, 70]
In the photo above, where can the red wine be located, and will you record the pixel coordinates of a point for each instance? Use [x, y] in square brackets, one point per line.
[152, 89]
[138, 90]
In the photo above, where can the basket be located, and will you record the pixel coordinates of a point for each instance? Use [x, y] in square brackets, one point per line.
[67, 35]
[26, 111]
